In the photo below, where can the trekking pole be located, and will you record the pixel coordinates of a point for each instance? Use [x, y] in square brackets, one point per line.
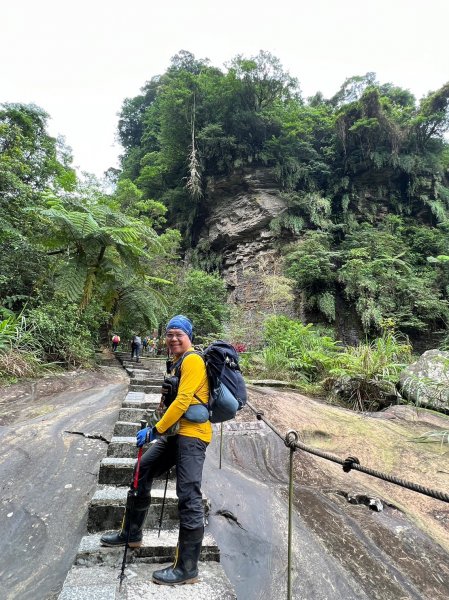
[163, 503]
[132, 492]
[221, 442]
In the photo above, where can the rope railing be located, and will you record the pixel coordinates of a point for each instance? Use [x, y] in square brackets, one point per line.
[291, 440]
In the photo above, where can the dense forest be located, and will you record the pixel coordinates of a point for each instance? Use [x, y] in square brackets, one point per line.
[365, 175]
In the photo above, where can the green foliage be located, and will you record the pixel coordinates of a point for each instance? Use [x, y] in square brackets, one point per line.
[202, 298]
[387, 280]
[440, 437]
[278, 291]
[326, 305]
[196, 119]
[30, 162]
[63, 335]
[20, 354]
[238, 327]
[302, 349]
[312, 266]
[364, 176]
[368, 373]
[361, 377]
[366, 156]
[9, 333]
[106, 254]
[381, 270]
[202, 257]
[310, 262]
[75, 260]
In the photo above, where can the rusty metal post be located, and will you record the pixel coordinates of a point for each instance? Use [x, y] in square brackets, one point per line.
[291, 438]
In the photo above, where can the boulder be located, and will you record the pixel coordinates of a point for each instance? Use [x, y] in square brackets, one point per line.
[425, 382]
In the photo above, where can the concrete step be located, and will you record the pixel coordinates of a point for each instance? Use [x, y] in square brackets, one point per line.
[116, 471]
[136, 414]
[105, 361]
[158, 377]
[146, 389]
[107, 507]
[132, 365]
[149, 400]
[144, 372]
[145, 365]
[143, 357]
[154, 549]
[135, 396]
[145, 380]
[127, 428]
[124, 446]
[101, 582]
[157, 366]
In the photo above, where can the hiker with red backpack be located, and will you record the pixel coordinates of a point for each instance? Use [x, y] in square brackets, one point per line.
[185, 448]
[115, 342]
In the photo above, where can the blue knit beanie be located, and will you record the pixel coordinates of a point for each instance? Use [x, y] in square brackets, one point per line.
[181, 322]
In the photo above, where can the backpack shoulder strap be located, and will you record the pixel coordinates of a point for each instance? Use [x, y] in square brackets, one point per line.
[178, 363]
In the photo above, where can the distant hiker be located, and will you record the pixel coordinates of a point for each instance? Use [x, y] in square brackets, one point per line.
[186, 449]
[162, 347]
[115, 342]
[145, 344]
[136, 346]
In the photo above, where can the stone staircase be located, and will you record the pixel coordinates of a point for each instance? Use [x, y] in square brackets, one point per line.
[94, 574]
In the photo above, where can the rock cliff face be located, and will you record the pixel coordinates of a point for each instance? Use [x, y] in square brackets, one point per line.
[242, 207]
[235, 236]
[237, 227]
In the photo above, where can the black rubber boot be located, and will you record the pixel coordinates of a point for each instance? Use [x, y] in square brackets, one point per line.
[185, 567]
[138, 515]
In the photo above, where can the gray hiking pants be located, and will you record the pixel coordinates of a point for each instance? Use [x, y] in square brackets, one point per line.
[188, 454]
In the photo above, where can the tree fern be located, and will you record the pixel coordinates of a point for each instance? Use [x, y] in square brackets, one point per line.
[71, 279]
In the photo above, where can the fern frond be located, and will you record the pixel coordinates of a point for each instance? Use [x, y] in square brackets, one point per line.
[71, 279]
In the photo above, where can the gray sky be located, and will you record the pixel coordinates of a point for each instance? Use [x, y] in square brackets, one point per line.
[79, 60]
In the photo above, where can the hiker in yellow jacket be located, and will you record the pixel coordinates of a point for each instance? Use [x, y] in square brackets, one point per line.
[186, 449]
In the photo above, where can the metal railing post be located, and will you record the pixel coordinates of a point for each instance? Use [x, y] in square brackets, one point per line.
[221, 442]
[291, 438]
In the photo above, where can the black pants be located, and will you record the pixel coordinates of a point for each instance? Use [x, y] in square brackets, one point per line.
[135, 350]
[188, 454]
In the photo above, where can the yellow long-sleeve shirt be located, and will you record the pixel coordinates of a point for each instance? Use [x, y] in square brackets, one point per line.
[193, 382]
